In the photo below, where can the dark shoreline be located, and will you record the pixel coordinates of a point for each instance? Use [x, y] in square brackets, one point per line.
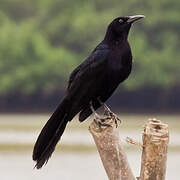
[149, 100]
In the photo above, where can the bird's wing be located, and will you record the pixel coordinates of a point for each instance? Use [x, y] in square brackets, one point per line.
[91, 67]
[73, 75]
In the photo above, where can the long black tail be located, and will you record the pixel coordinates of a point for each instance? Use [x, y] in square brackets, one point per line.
[50, 135]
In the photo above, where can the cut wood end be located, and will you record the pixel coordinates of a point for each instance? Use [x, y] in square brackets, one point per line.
[157, 124]
[158, 129]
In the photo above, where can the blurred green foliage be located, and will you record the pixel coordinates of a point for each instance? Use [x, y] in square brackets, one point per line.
[41, 41]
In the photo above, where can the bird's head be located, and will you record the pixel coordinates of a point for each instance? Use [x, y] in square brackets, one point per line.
[119, 27]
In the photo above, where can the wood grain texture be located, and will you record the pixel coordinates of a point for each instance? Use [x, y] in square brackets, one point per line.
[111, 151]
[155, 147]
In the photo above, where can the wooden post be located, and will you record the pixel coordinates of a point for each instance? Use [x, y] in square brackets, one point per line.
[111, 152]
[154, 154]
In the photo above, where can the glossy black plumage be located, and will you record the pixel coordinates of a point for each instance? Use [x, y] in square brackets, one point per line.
[97, 77]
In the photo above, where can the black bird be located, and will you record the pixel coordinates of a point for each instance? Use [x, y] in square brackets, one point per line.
[90, 85]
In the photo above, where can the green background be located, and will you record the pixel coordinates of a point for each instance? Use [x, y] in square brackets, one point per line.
[42, 41]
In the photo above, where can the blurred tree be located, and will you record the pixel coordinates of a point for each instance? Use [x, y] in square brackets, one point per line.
[41, 41]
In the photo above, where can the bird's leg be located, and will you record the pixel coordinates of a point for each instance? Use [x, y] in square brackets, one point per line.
[109, 113]
[98, 120]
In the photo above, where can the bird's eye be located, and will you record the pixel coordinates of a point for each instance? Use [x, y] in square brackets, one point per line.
[121, 21]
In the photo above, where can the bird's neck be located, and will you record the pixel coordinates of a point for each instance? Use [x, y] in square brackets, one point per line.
[112, 38]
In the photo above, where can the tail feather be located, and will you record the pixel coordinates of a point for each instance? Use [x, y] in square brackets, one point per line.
[50, 135]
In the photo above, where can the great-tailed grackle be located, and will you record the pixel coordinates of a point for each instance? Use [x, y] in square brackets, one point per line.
[92, 82]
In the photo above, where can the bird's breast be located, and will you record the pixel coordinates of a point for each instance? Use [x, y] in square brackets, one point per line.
[119, 66]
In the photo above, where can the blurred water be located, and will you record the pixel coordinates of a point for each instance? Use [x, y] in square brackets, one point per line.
[72, 166]
[20, 130]
[73, 138]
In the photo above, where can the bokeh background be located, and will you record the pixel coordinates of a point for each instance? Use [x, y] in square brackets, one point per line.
[42, 41]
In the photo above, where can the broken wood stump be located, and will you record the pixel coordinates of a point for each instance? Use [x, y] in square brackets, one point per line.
[114, 159]
[155, 147]
[111, 151]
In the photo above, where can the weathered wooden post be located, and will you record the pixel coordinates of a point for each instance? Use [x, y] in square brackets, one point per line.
[111, 151]
[154, 154]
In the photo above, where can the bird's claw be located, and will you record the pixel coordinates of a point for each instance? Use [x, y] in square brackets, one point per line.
[100, 122]
[111, 115]
[108, 116]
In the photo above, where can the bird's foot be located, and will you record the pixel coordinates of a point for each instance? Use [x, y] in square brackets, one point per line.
[113, 116]
[101, 122]
[109, 113]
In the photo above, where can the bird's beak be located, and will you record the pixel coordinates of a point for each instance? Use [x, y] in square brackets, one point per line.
[135, 18]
